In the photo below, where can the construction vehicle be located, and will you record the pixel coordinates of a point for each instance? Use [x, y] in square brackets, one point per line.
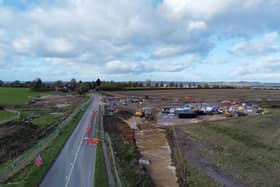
[235, 111]
[146, 112]
[139, 114]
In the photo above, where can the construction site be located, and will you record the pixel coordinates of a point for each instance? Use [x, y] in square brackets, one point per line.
[154, 122]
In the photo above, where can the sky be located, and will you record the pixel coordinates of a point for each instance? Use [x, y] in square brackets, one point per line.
[125, 40]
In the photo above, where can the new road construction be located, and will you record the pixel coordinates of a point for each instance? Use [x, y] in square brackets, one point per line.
[75, 164]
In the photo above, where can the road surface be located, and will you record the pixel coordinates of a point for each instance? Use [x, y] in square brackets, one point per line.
[75, 164]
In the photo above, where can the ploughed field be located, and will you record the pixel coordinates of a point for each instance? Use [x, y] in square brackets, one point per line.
[237, 152]
[210, 95]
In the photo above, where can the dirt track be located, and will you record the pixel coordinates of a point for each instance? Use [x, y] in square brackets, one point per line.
[153, 146]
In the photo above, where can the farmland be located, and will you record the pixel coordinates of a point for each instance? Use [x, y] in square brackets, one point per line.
[9, 96]
[211, 95]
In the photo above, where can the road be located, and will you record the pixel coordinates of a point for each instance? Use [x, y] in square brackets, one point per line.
[75, 164]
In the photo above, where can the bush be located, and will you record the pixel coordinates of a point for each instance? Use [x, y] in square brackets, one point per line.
[131, 173]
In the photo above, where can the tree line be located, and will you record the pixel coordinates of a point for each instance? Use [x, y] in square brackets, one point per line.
[64, 86]
[148, 84]
[82, 87]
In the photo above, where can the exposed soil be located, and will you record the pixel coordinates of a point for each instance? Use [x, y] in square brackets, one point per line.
[15, 138]
[188, 147]
[153, 146]
[211, 95]
[116, 125]
[54, 100]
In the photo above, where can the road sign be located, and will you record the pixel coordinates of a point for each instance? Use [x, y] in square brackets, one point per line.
[38, 161]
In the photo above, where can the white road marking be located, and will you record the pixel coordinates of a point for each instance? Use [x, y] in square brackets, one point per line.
[72, 167]
[76, 157]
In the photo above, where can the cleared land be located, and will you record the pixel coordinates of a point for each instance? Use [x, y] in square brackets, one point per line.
[236, 152]
[211, 95]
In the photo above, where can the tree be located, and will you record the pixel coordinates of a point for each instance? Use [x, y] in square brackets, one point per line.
[157, 85]
[1, 83]
[161, 84]
[171, 84]
[16, 83]
[97, 82]
[37, 84]
[83, 87]
[181, 85]
[73, 84]
[58, 83]
[148, 83]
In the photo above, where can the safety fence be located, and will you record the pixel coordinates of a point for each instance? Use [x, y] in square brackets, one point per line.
[12, 167]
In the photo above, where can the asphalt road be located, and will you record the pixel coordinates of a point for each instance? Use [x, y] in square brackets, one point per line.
[75, 164]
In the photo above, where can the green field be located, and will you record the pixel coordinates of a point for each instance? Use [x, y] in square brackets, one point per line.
[17, 96]
[5, 115]
[46, 119]
[247, 148]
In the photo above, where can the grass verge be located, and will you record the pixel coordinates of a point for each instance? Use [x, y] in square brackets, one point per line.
[32, 175]
[100, 170]
[100, 178]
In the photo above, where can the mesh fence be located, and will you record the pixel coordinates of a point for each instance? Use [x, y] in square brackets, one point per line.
[12, 167]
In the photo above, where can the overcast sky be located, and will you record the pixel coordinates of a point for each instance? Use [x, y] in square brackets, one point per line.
[178, 40]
